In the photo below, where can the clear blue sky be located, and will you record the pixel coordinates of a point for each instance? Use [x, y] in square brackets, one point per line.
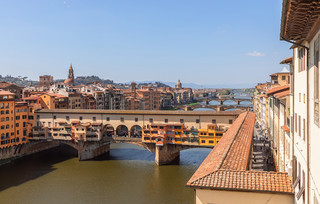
[200, 41]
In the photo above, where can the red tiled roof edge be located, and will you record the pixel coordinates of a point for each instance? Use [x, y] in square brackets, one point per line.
[216, 157]
[277, 89]
[238, 155]
[254, 181]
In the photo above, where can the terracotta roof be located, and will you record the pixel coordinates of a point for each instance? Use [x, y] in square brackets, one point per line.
[6, 93]
[298, 17]
[225, 168]
[282, 94]
[286, 61]
[56, 95]
[278, 89]
[276, 182]
[262, 95]
[141, 112]
[32, 97]
[215, 158]
[285, 128]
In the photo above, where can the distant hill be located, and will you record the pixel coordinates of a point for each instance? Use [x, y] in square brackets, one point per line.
[88, 79]
[197, 86]
[20, 81]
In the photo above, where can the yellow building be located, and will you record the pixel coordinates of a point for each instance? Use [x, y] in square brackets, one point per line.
[211, 135]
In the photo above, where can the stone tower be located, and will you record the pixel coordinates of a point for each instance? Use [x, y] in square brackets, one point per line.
[70, 79]
[179, 85]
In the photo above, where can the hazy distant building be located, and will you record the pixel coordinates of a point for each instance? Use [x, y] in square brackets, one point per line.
[46, 80]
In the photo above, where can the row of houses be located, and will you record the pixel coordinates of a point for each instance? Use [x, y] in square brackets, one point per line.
[66, 95]
[288, 111]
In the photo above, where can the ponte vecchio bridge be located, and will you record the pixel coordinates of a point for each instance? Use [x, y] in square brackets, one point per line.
[91, 132]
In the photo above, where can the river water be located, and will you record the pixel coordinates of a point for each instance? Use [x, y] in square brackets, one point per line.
[127, 175]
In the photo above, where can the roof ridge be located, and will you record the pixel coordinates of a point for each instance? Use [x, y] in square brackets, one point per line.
[229, 146]
[225, 152]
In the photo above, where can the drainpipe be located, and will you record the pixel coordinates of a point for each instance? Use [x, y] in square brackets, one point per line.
[292, 118]
[307, 129]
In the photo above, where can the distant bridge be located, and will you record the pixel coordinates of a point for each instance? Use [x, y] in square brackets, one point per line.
[222, 99]
[214, 107]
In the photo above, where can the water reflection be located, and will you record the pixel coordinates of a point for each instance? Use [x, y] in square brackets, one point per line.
[127, 175]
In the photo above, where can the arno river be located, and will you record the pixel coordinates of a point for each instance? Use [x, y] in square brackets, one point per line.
[127, 175]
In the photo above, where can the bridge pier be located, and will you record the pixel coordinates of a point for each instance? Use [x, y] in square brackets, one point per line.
[87, 151]
[220, 108]
[167, 154]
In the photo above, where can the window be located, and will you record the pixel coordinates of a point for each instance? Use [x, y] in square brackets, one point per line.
[299, 125]
[136, 119]
[107, 119]
[38, 116]
[17, 124]
[197, 120]
[299, 97]
[67, 118]
[304, 129]
[304, 98]
[80, 118]
[94, 118]
[181, 121]
[295, 121]
[203, 141]
[166, 120]
[230, 121]
[211, 141]
[54, 117]
[122, 119]
[302, 59]
[283, 78]
[302, 187]
[151, 120]
[214, 121]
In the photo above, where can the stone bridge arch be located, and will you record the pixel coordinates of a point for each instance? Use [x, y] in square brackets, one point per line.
[122, 130]
[136, 131]
[107, 130]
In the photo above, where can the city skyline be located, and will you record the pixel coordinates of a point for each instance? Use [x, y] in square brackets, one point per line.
[143, 41]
